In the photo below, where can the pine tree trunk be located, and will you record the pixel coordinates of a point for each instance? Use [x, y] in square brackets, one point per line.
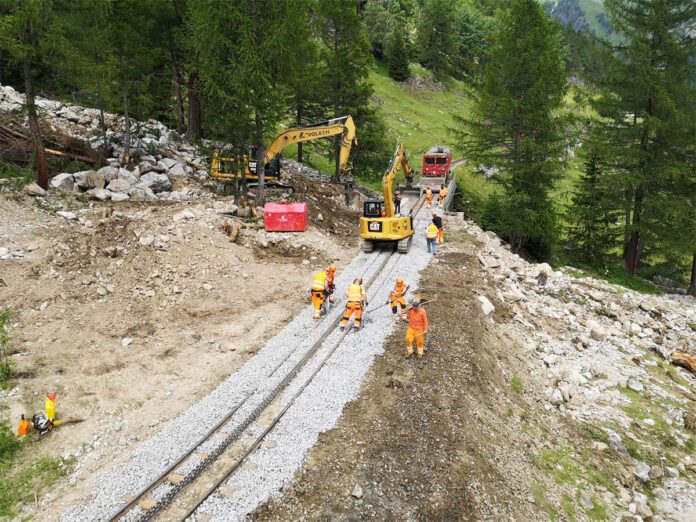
[39, 150]
[635, 241]
[692, 287]
[299, 124]
[126, 131]
[194, 109]
[260, 157]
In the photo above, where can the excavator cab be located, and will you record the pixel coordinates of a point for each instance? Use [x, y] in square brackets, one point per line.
[272, 172]
[374, 209]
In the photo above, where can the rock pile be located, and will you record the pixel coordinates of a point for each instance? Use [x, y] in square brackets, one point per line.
[158, 153]
[601, 355]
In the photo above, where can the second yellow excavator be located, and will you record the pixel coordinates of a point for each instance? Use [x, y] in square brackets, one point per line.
[379, 222]
[223, 167]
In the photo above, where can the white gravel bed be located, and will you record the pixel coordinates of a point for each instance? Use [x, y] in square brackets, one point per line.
[153, 456]
[320, 406]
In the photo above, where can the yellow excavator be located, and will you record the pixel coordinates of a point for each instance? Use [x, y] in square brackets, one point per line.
[379, 223]
[223, 167]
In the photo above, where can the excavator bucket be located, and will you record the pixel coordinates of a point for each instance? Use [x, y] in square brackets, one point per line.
[410, 187]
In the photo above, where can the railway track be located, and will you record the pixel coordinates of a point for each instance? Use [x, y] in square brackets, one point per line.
[151, 500]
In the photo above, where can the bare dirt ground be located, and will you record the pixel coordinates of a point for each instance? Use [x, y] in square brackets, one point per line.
[136, 311]
[426, 440]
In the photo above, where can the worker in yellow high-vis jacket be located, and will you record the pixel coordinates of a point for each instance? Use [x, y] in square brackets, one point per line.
[431, 237]
[320, 288]
[357, 301]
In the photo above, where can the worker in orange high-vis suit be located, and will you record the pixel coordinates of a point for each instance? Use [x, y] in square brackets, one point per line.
[320, 287]
[397, 298]
[429, 197]
[417, 329]
[357, 301]
[331, 275]
[442, 196]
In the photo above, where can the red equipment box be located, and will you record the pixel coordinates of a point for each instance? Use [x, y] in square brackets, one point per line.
[285, 217]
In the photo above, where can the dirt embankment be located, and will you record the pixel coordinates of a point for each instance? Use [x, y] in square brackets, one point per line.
[436, 439]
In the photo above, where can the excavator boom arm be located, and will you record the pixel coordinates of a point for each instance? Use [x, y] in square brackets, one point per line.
[398, 162]
[324, 129]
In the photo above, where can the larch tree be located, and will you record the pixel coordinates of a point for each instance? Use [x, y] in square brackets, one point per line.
[346, 54]
[646, 106]
[436, 36]
[593, 231]
[242, 53]
[397, 57]
[25, 35]
[515, 125]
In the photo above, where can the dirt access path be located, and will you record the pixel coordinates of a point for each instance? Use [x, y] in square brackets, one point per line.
[137, 310]
[431, 439]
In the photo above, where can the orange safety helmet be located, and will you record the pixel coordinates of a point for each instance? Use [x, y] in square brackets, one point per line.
[399, 281]
[331, 268]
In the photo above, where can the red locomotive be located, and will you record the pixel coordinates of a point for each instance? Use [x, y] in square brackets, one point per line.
[437, 162]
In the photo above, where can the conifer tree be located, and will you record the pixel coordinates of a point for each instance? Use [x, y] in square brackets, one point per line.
[647, 102]
[397, 57]
[593, 231]
[24, 29]
[436, 39]
[242, 55]
[346, 53]
[515, 126]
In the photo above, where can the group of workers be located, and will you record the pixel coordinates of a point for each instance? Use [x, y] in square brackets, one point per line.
[323, 289]
[440, 197]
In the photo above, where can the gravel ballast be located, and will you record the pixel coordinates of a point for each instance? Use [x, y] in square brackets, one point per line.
[316, 410]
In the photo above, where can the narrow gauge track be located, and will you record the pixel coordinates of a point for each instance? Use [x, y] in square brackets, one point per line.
[168, 484]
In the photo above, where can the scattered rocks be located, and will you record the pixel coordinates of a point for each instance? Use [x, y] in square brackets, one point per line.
[641, 470]
[70, 216]
[635, 385]
[486, 306]
[357, 492]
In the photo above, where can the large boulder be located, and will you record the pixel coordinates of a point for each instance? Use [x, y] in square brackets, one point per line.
[130, 177]
[119, 185]
[141, 193]
[34, 190]
[119, 196]
[99, 194]
[177, 170]
[63, 182]
[156, 182]
[167, 163]
[94, 180]
[109, 173]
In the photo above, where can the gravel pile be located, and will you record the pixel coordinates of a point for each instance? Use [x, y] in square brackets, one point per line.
[258, 375]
